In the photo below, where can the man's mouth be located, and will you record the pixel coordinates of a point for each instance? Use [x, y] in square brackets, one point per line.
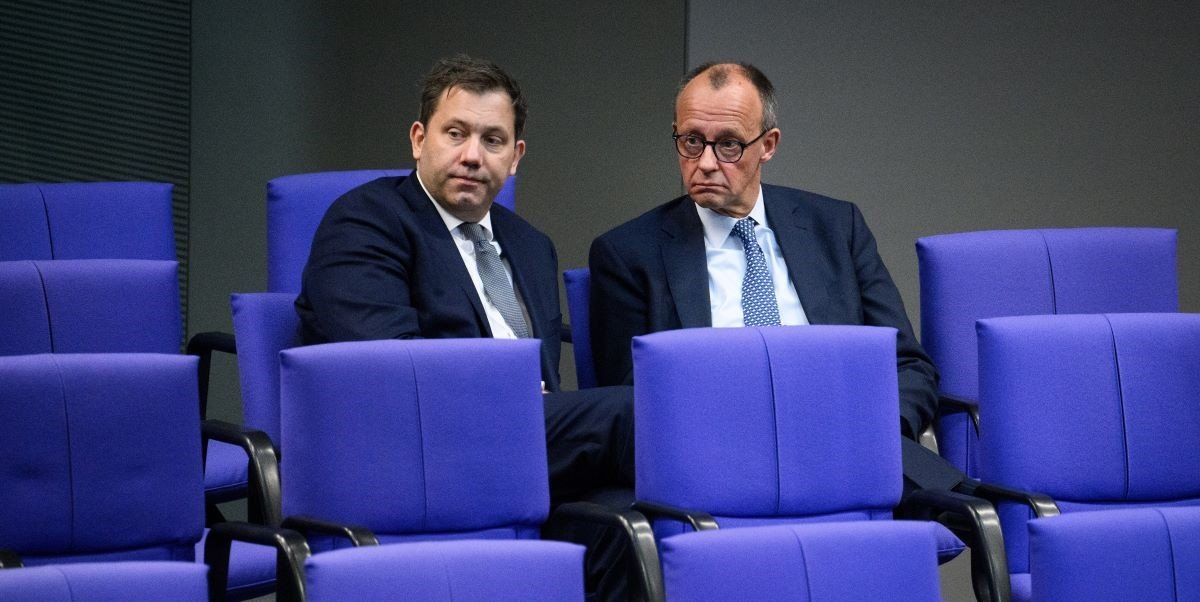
[467, 180]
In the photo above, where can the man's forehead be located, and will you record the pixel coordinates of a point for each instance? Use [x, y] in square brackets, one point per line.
[461, 104]
[727, 106]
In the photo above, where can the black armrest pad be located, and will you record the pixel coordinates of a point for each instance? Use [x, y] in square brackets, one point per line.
[699, 521]
[1041, 504]
[10, 560]
[636, 530]
[358, 536]
[208, 342]
[959, 404]
[975, 521]
[202, 345]
[291, 552]
[263, 505]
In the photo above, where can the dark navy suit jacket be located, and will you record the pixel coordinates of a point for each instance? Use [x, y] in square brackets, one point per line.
[650, 274]
[384, 266]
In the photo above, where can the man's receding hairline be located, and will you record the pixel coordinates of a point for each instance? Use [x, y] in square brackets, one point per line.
[718, 74]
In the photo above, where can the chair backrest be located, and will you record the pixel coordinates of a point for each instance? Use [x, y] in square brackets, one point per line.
[126, 220]
[1096, 411]
[449, 570]
[410, 438]
[89, 306]
[295, 206]
[1087, 556]
[828, 562]
[578, 284]
[768, 422]
[100, 457]
[974, 275]
[264, 324]
[106, 582]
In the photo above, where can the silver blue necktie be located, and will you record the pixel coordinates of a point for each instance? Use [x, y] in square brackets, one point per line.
[759, 307]
[495, 280]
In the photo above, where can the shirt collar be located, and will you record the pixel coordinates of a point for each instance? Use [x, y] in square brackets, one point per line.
[717, 226]
[452, 223]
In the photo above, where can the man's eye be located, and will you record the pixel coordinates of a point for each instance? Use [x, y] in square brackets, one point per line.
[693, 141]
[454, 134]
[493, 141]
[729, 144]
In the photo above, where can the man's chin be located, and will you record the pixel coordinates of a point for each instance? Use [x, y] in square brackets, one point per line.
[708, 200]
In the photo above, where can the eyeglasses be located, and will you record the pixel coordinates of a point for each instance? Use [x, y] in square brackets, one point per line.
[726, 150]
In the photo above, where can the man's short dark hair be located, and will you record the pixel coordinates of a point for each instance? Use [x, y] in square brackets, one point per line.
[473, 75]
[718, 76]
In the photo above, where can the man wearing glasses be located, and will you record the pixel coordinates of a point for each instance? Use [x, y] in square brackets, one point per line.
[736, 252]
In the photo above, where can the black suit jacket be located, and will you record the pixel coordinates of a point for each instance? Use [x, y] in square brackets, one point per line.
[384, 266]
[650, 274]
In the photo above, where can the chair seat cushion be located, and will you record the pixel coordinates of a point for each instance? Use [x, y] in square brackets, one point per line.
[225, 472]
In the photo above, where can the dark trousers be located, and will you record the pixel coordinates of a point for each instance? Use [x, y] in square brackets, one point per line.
[589, 446]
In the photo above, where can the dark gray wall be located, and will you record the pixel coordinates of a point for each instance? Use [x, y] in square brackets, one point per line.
[290, 87]
[943, 117]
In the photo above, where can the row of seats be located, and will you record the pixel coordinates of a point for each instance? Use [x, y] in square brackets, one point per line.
[265, 324]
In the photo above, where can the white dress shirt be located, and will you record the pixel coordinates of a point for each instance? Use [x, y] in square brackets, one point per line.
[727, 267]
[466, 249]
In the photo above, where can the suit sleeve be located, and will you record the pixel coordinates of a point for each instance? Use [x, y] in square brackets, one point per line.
[618, 313]
[357, 278]
[882, 306]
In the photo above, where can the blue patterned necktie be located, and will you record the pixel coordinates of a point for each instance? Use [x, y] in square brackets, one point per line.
[758, 292]
[495, 280]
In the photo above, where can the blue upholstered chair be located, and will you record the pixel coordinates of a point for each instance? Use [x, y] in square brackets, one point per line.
[97, 220]
[1097, 411]
[974, 275]
[578, 284]
[416, 439]
[264, 324]
[100, 457]
[115, 220]
[105, 582]
[447, 571]
[1127, 554]
[105, 306]
[826, 562]
[425, 440]
[83, 306]
[739, 427]
[295, 206]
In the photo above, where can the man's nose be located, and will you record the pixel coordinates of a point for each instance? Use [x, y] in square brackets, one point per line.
[707, 160]
[472, 152]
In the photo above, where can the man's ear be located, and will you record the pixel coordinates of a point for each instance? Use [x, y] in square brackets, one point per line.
[770, 143]
[512, 171]
[416, 135]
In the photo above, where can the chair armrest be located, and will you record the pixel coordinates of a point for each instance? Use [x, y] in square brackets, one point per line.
[975, 521]
[290, 553]
[637, 532]
[263, 493]
[10, 560]
[203, 344]
[699, 521]
[959, 404]
[1041, 504]
[358, 536]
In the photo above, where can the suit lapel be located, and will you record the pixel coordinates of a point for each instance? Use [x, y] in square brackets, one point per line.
[793, 225]
[685, 264]
[442, 246]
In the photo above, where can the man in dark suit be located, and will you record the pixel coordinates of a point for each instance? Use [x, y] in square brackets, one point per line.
[735, 252]
[430, 256]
